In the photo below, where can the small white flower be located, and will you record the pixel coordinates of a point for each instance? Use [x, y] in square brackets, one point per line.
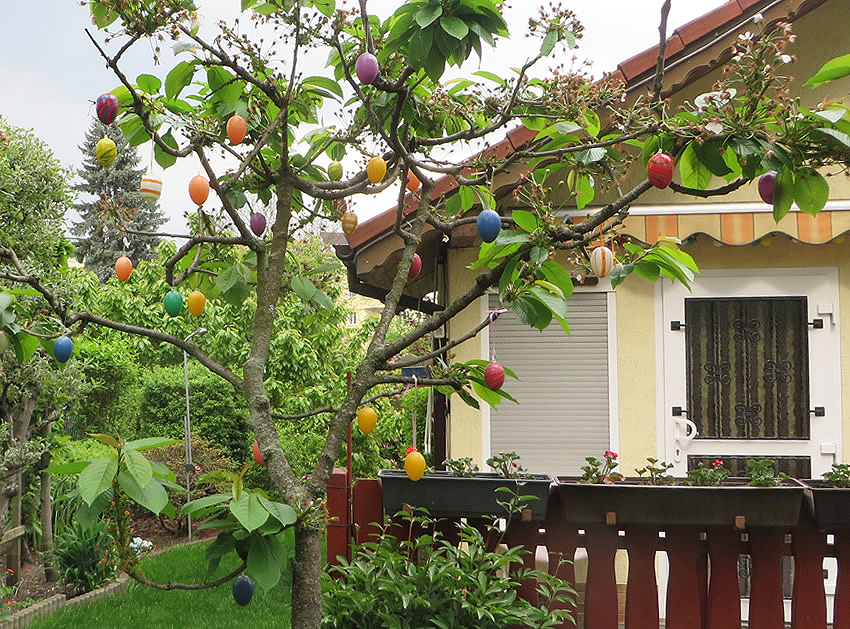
[758, 18]
[792, 39]
[745, 36]
[715, 127]
[786, 58]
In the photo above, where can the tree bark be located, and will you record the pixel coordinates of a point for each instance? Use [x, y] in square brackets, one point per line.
[306, 579]
[50, 574]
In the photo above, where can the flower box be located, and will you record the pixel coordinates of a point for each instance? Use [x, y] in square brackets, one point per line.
[830, 505]
[631, 502]
[449, 496]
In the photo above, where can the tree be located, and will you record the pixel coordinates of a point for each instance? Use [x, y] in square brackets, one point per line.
[115, 223]
[387, 79]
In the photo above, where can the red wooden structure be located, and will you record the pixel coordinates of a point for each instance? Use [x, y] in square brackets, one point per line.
[702, 586]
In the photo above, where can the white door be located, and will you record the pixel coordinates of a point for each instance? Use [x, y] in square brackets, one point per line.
[813, 296]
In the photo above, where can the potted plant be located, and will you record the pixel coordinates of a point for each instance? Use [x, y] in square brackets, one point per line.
[708, 497]
[830, 500]
[462, 491]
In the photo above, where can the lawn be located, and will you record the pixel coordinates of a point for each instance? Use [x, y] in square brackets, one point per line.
[146, 607]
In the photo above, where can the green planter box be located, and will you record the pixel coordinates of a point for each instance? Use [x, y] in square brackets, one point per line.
[674, 505]
[830, 506]
[448, 496]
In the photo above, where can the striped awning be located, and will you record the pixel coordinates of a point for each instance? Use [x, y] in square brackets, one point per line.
[738, 228]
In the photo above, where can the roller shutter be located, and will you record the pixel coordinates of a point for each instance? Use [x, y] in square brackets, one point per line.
[562, 415]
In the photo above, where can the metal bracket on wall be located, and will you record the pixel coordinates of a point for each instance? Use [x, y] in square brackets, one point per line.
[817, 324]
[678, 411]
[675, 326]
[818, 411]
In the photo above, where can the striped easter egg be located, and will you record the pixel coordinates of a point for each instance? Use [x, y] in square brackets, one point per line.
[601, 261]
[349, 222]
[106, 106]
[151, 187]
[105, 152]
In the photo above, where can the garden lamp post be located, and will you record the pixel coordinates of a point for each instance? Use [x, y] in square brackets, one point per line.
[187, 429]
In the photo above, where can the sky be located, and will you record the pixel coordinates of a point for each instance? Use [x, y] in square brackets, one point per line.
[51, 73]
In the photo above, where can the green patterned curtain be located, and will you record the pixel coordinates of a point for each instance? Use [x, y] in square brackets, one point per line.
[748, 367]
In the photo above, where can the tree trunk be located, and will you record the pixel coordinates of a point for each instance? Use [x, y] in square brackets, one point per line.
[306, 579]
[50, 573]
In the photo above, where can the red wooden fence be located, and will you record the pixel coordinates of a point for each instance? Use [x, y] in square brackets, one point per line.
[702, 586]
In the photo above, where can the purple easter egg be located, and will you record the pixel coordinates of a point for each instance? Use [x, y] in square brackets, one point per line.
[366, 68]
[258, 223]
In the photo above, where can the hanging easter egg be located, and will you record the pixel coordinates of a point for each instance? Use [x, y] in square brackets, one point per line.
[5, 342]
[415, 266]
[366, 419]
[196, 302]
[366, 68]
[376, 169]
[767, 184]
[489, 225]
[150, 187]
[63, 347]
[258, 456]
[173, 303]
[258, 223]
[339, 206]
[106, 106]
[105, 151]
[349, 222]
[123, 268]
[414, 464]
[335, 171]
[199, 189]
[412, 181]
[243, 590]
[602, 261]
[236, 129]
[494, 376]
[659, 170]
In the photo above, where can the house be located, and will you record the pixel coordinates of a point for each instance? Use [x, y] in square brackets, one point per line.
[747, 363]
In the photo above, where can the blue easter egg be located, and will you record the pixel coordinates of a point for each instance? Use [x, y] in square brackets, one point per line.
[243, 590]
[489, 225]
[63, 347]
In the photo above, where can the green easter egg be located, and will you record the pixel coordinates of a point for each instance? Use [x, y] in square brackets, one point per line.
[173, 303]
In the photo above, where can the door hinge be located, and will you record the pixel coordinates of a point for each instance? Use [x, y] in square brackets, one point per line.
[818, 411]
[675, 326]
[817, 324]
[678, 411]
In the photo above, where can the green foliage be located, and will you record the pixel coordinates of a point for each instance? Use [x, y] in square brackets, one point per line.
[463, 467]
[392, 583]
[656, 472]
[713, 476]
[599, 472]
[506, 464]
[85, 557]
[762, 473]
[839, 475]
[218, 412]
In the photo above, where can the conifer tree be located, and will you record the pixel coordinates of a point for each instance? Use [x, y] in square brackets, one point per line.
[117, 209]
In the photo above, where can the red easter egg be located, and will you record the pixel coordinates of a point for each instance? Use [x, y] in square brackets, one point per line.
[412, 181]
[767, 184]
[415, 266]
[106, 107]
[659, 170]
[494, 376]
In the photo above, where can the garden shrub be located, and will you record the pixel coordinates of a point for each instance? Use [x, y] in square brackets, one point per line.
[430, 582]
[85, 557]
[218, 413]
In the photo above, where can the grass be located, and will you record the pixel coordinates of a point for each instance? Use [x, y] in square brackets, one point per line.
[141, 606]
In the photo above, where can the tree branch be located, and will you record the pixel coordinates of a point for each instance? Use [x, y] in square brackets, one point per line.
[657, 83]
[174, 585]
[730, 187]
[401, 364]
[334, 409]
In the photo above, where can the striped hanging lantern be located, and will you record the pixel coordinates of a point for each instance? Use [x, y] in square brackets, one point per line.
[150, 187]
[602, 261]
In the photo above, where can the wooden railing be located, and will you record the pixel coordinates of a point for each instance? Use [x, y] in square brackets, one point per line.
[702, 582]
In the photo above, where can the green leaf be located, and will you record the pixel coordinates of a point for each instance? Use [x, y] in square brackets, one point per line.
[783, 194]
[585, 191]
[710, 154]
[138, 467]
[96, 478]
[178, 78]
[555, 304]
[527, 221]
[283, 513]
[74, 467]
[426, 15]
[265, 556]
[454, 26]
[538, 255]
[25, 346]
[162, 158]
[838, 135]
[203, 503]
[249, 511]
[555, 273]
[324, 83]
[148, 83]
[496, 79]
[548, 43]
[105, 439]
[149, 443]
[811, 191]
[647, 270]
[833, 115]
[225, 88]
[694, 173]
[831, 70]
[86, 514]
[303, 287]
[321, 298]
[486, 393]
[420, 47]
[151, 496]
